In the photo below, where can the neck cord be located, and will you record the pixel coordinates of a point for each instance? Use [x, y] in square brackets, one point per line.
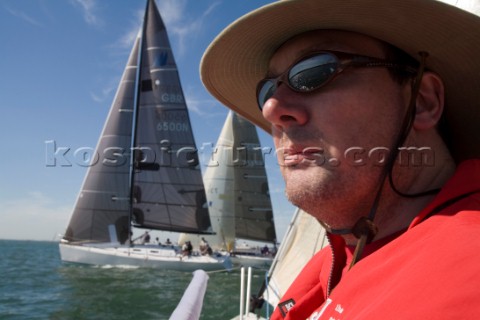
[365, 229]
[407, 125]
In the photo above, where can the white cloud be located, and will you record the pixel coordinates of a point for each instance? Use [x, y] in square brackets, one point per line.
[105, 93]
[33, 217]
[88, 8]
[128, 38]
[179, 26]
[203, 107]
[22, 15]
[171, 10]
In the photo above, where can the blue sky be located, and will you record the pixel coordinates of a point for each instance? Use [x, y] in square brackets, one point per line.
[60, 62]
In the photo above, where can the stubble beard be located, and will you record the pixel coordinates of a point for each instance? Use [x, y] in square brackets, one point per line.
[313, 192]
[325, 195]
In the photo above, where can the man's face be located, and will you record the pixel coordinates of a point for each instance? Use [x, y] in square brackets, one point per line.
[329, 141]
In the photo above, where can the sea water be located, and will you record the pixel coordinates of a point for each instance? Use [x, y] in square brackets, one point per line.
[35, 284]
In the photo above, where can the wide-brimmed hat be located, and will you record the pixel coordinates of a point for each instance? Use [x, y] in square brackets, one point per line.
[238, 58]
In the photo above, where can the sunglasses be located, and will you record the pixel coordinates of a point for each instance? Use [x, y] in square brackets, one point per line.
[314, 71]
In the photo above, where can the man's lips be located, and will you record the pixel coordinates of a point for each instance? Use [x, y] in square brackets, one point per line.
[292, 159]
[294, 156]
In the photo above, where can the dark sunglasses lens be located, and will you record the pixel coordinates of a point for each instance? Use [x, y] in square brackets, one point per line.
[266, 89]
[313, 72]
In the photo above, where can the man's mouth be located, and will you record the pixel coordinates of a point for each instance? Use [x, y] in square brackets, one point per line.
[295, 156]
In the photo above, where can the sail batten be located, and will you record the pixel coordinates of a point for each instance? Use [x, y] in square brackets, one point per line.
[163, 69]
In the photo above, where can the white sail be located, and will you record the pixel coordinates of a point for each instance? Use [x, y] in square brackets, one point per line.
[304, 238]
[219, 180]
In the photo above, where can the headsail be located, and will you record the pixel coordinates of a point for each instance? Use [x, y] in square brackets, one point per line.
[104, 198]
[304, 238]
[148, 117]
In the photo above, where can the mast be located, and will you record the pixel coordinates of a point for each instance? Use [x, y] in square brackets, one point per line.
[135, 116]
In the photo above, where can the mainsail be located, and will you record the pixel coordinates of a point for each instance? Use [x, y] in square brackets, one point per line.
[237, 186]
[147, 170]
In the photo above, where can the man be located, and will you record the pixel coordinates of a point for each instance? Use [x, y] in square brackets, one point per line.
[204, 246]
[373, 109]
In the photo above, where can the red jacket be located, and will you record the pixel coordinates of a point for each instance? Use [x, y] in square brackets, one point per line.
[430, 271]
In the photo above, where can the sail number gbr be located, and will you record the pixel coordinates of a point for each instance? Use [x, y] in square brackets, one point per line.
[173, 126]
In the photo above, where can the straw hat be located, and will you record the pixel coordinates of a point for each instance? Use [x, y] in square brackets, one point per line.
[238, 58]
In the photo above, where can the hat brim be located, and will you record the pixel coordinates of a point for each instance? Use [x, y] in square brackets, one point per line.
[238, 58]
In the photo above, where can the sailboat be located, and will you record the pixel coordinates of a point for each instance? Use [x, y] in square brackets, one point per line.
[238, 196]
[147, 173]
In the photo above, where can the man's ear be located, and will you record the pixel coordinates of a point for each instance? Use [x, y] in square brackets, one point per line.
[430, 102]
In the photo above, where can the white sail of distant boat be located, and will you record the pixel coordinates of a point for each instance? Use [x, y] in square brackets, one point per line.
[147, 173]
[238, 195]
[303, 239]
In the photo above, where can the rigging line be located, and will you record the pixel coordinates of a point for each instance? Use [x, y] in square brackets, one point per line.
[223, 270]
